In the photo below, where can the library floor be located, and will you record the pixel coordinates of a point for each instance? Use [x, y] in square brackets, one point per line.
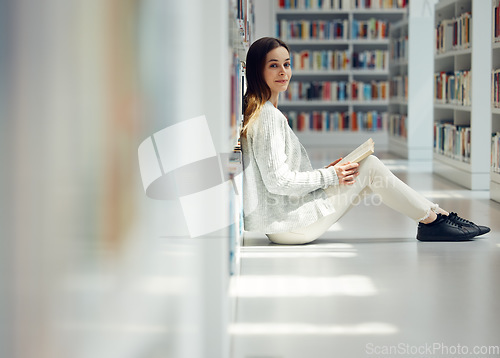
[368, 288]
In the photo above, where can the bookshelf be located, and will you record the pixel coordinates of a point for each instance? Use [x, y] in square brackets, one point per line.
[241, 21]
[346, 53]
[398, 88]
[462, 83]
[410, 101]
[495, 108]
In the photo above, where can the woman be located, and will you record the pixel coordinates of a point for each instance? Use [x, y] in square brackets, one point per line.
[289, 201]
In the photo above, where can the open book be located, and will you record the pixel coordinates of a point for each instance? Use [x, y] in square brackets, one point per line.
[360, 153]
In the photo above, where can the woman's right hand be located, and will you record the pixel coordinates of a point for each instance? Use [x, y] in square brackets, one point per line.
[346, 172]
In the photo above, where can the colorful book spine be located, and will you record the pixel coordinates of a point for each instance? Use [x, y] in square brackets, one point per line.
[315, 4]
[337, 29]
[342, 4]
[398, 50]
[325, 121]
[496, 20]
[452, 141]
[336, 91]
[453, 88]
[369, 91]
[495, 88]
[495, 152]
[453, 34]
[379, 4]
[371, 29]
[236, 105]
[335, 60]
[376, 60]
[326, 60]
[398, 88]
[398, 125]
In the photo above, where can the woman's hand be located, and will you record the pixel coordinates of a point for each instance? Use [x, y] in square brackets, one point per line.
[346, 172]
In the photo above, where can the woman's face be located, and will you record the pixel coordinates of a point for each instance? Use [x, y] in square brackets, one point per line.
[277, 70]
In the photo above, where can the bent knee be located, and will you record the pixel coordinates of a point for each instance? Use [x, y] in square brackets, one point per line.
[370, 162]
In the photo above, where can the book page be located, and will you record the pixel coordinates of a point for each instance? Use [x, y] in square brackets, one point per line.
[360, 153]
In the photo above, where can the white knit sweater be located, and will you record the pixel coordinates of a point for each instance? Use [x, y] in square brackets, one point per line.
[281, 190]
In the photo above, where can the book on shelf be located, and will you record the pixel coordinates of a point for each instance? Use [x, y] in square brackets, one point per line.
[336, 29]
[241, 12]
[398, 125]
[361, 152]
[244, 18]
[445, 35]
[334, 60]
[315, 4]
[320, 60]
[323, 91]
[341, 4]
[452, 140]
[373, 60]
[379, 4]
[364, 91]
[495, 88]
[496, 20]
[336, 91]
[495, 152]
[319, 121]
[453, 87]
[325, 121]
[398, 87]
[399, 49]
[237, 84]
[453, 34]
[462, 31]
[370, 29]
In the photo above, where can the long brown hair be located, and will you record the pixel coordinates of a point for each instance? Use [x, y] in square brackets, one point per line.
[258, 92]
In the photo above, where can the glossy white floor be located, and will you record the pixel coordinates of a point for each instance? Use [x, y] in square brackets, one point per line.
[368, 288]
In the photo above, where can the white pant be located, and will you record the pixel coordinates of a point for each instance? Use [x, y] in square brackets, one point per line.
[373, 178]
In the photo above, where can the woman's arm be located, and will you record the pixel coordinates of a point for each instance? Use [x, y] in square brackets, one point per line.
[268, 146]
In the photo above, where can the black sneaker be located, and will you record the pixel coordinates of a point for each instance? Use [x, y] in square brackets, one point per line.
[463, 222]
[444, 229]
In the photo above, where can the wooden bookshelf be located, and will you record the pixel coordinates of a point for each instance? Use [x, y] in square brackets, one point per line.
[351, 45]
[474, 174]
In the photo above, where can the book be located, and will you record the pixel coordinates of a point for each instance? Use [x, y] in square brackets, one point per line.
[360, 153]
